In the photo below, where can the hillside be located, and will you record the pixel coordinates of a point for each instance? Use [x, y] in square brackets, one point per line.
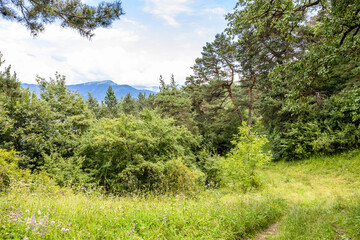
[97, 89]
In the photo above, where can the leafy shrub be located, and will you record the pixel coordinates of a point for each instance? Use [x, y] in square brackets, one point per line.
[146, 176]
[181, 178]
[333, 126]
[239, 165]
[128, 144]
[14, 179]
[8, 168]
[209, 165]
[65, 171]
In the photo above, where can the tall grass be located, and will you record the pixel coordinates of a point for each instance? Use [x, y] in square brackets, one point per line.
[318, 198]
[75, 216]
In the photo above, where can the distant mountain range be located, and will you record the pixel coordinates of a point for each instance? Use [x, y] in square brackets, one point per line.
[97, 89]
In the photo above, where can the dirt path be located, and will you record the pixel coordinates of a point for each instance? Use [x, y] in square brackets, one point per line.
[340, 232]
[270, 231]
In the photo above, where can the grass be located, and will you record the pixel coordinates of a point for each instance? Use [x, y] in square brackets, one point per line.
[322, 194]
[318, 198]
[92, 217]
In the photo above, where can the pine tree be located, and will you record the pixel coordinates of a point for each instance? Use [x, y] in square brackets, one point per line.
[128, 104]
[110, 99]
[173, 84]
[71, 14]
[162, 86]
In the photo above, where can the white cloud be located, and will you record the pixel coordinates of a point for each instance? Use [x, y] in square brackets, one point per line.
[134, 51]
[121, 54]
[216, 11]
[168, 10]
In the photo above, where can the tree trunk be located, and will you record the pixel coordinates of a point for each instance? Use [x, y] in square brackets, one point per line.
[228, 88]
[251, 85]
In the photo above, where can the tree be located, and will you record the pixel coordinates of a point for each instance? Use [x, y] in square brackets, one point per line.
[9, 84]
[218, 66]
[173, 84]
[248, 153]
[94, 105]
[128, 104]
[110, 99]
[127, 149]
[162, 83]
[141, 101]
[312, 51]
[34, 14]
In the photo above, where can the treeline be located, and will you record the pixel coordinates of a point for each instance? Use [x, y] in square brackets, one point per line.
[286, 69]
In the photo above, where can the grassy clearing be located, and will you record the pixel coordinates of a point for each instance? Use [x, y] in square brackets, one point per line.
[323, 195]
[211, 216]
[318, 198]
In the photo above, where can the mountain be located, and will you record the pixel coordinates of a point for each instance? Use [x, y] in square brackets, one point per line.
[97, 89]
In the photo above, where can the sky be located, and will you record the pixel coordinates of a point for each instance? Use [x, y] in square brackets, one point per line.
[153, 38]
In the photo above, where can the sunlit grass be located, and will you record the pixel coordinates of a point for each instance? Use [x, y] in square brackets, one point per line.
[208, 216]
[318, 198]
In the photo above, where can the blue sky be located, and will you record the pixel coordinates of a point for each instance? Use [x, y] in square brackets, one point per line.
[154, 37]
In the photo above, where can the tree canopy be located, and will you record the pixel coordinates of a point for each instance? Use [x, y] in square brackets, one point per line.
[35, 14]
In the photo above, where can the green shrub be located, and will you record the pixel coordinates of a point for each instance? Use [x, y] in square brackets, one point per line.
[66, 172]
[181, 178]
[122, 152]
[209, 165]
[14, 179]
[238, 167]
[8, 168]
[146, 176]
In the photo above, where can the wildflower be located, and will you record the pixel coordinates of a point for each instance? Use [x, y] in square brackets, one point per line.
[39, 212]
[32, 221]
[25, 238]
[64, 229]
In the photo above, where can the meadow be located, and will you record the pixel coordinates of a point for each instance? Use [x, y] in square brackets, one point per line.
[317, 198]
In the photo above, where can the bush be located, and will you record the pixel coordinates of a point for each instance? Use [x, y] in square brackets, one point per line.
[209, 165]
[181, 178]
[8, 168]
[121, 153]
[66, 172]
[146, 176]
[238, 167]
[14, 179]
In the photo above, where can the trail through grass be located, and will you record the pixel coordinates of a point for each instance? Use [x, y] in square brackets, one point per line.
[322, 194]
[318, 198]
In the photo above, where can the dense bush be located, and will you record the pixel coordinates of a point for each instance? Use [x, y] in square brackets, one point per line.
[8, 168]
[134, 150]
[329, 128]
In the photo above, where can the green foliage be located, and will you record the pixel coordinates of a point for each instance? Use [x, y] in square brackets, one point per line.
[76, 15]
[9, 84]
[13, 179]
[247, 154]
[209, 165]
[26, 127]
[67, 216]
[66, 172]
[128, 104]
[180, 178]
[110, 98]
[172, 176]
[94, 106]
[112, 145]
[8, 168]
[142, 177]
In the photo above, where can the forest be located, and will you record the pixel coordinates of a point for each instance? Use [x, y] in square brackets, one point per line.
[272, 106]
